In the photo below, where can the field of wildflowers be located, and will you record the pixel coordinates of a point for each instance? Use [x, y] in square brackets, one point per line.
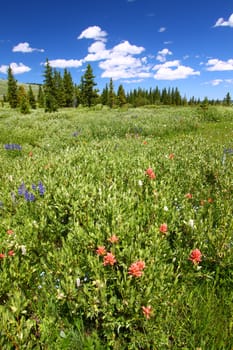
[116, 229]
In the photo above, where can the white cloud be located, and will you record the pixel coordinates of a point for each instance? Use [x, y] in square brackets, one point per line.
[161, 56]
[93, 32]
[16, 68]
[216, 82]
[215, 64]
[126, 48]
[173, 70]
[162, 29]
[62, 63]
[97, 51]
[25, 48]
[222, 23]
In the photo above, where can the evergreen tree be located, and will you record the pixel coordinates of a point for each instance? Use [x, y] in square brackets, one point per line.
[88, 83]
[12, 94]
[121, 95]
[23, 102]
[50, 101]
[111, 94]
[31, 98]
[59, 90]
[105, 95]
[68, 89]
[40, 97]
[227, 100]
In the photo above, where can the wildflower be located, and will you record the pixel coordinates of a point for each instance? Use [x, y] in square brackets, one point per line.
[140, 183]
[195, 256]
[147, 311]
[78, 282]
[23, 250]
[171, 156]
[10, 232]
[113, 239]
[191, 223]
[21, 189]
[30, 154]
[41, 188]
[29, 197]
[109, 259]
[101, 250]
[2, 256]
[144, 142]
[210, 200]
[11, 253]
[189, 195]
[163, 228]
[165, 208]
[150, 173]
[136, 268]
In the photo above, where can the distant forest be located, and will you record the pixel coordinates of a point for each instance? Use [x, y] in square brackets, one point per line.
[59, 91]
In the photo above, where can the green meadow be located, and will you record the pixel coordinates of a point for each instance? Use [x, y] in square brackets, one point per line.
[116, 229]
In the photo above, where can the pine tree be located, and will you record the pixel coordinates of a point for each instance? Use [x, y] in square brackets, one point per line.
[227, 100]
[68, 89]
[31, 98]
[111, 94]
[12, 94]
[104, 95]
[40, 97]
[23, 102]
[50, 101]
[121, 95]
[88, 83]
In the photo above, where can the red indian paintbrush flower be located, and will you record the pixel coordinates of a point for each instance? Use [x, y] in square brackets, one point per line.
[11, 253]
[2, 256]
[147, 311]
[150, 173]
[101, 250]
[195, 256]
[113, 239]
[163, 228]
[109, 259]
[189, 195]
[10, 232]
[136, 268]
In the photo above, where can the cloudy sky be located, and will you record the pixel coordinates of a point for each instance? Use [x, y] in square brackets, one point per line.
[137, 43]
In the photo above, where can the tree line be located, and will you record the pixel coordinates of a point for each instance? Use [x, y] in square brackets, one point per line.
[59, 91]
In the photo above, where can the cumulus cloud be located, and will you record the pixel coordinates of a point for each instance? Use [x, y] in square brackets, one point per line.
[17, 68]
[215, 64]
[93, 32]
[222, 23]
[173, 70]
[25, 48]
[62, 63]
[161, 56]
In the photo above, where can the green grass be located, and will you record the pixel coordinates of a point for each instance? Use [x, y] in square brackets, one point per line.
[55, 291]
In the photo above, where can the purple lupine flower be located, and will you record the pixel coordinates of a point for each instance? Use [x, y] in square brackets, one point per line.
[21, 189]
[29, 197]
[41, 188]
[33, 187]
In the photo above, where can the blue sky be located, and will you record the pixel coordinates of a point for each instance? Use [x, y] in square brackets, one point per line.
[137, 43]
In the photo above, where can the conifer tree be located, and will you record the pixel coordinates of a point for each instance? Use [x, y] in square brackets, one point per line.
[50, 101]
[68, 89]
[111, 94]
[104, 95]
[23, 102]
[121, 95]
[88, 83]
[40, 97]
[12, 94]
[31, 98]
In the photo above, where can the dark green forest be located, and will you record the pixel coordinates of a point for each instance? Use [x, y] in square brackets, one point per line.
[59, 91]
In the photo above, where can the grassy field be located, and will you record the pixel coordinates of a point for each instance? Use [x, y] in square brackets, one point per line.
[116, 229]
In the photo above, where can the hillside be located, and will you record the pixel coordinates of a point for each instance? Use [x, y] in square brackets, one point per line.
[3, 87]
